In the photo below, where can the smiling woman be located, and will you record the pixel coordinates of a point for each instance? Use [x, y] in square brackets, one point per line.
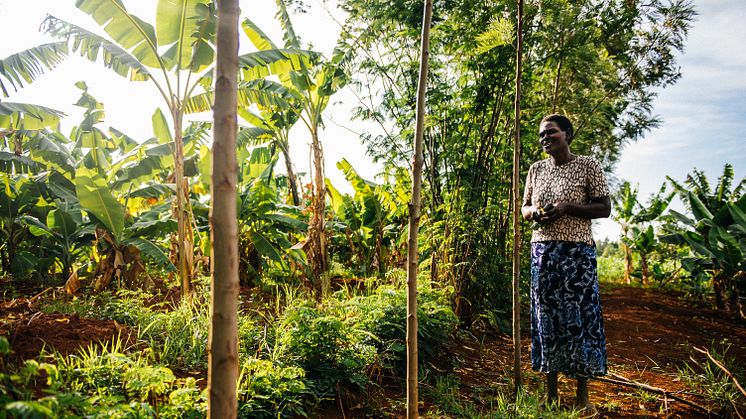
[563, 193]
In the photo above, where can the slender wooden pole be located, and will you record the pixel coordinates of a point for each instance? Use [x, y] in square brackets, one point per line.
[414, 219]
[223, 338]
[518, 381]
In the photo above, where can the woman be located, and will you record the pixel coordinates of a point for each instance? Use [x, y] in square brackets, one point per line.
[567, 332]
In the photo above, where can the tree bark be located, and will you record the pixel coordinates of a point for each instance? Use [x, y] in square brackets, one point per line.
[292, 182]
[414, 218]
[518, 381]
[223, 337]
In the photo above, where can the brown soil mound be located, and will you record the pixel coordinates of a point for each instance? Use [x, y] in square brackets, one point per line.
[61, 332]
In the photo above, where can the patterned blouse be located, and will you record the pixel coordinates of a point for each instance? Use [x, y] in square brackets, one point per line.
[577, 181]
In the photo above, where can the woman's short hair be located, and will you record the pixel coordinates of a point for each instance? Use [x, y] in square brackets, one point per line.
[562, 122]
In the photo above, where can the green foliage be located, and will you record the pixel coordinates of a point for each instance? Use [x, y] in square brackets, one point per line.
[611, 268]
[100, 382]
[331, 352]
[715, 233]
[369, 225]
[382, 314]
[268, 390]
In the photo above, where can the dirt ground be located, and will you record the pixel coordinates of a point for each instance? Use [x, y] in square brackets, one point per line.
[650, 334]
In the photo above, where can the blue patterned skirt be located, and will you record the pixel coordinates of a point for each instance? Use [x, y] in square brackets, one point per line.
[567, 329]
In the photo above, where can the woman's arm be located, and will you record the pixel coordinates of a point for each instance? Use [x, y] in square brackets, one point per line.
[597, 208]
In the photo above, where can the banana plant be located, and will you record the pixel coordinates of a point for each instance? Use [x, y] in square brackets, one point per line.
[642, 240]
[716, 234]
[20, 197]
[312, 87]
[368, 224]
[268, 229]
[179, 49]
[634, 219]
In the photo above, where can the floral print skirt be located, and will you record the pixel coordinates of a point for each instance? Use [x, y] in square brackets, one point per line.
[567, 329]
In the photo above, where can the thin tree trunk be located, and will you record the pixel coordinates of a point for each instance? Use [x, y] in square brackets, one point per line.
[644, 268]
[518, 381]
[414, 219]
[292, 182]
[223, 337]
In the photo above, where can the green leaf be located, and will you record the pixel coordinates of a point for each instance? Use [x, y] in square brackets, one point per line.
[27, 116]
[265, 93]
[152, 251]
[36, 227]
[260, 64]
[289, 221]
[13, 163]
[739, 217]
[29, 410]
[264, 246]
[178, 24]
[62, 223]
[161, 129]
[682, 218]
[94, 47]
[96, 198]
[129, 31]
[257, 37]
[27, 65]
[699, 209]
[697, 243]
[337, 198]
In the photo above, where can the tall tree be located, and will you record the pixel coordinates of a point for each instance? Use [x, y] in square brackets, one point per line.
[223, 339]
[598, 61]
[518, 382]
[414, 217]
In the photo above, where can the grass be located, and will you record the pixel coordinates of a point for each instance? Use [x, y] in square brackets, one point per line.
[710, 380]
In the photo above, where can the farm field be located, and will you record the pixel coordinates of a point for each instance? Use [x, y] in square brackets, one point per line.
[354, 208]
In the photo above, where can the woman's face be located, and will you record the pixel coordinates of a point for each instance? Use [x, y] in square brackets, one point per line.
[553, 139]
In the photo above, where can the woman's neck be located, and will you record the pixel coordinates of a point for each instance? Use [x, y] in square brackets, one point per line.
[561, 158]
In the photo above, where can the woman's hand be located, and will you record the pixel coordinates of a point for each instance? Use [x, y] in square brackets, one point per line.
[597, 208]
[558, 210]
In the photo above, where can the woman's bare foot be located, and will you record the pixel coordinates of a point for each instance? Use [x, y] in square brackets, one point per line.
[588, 410]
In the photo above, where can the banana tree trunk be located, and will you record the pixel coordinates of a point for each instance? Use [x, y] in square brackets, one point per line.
[644, 268]
[518, 381]
[627, 264]
[414, 218]
[183, 243]
[223, 337]
[317, 233]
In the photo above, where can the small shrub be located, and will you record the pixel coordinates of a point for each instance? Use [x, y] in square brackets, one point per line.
[328, 350]
[267, 390]
[383, 316]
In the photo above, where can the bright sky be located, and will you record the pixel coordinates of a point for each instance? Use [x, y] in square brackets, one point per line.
[701, 113]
